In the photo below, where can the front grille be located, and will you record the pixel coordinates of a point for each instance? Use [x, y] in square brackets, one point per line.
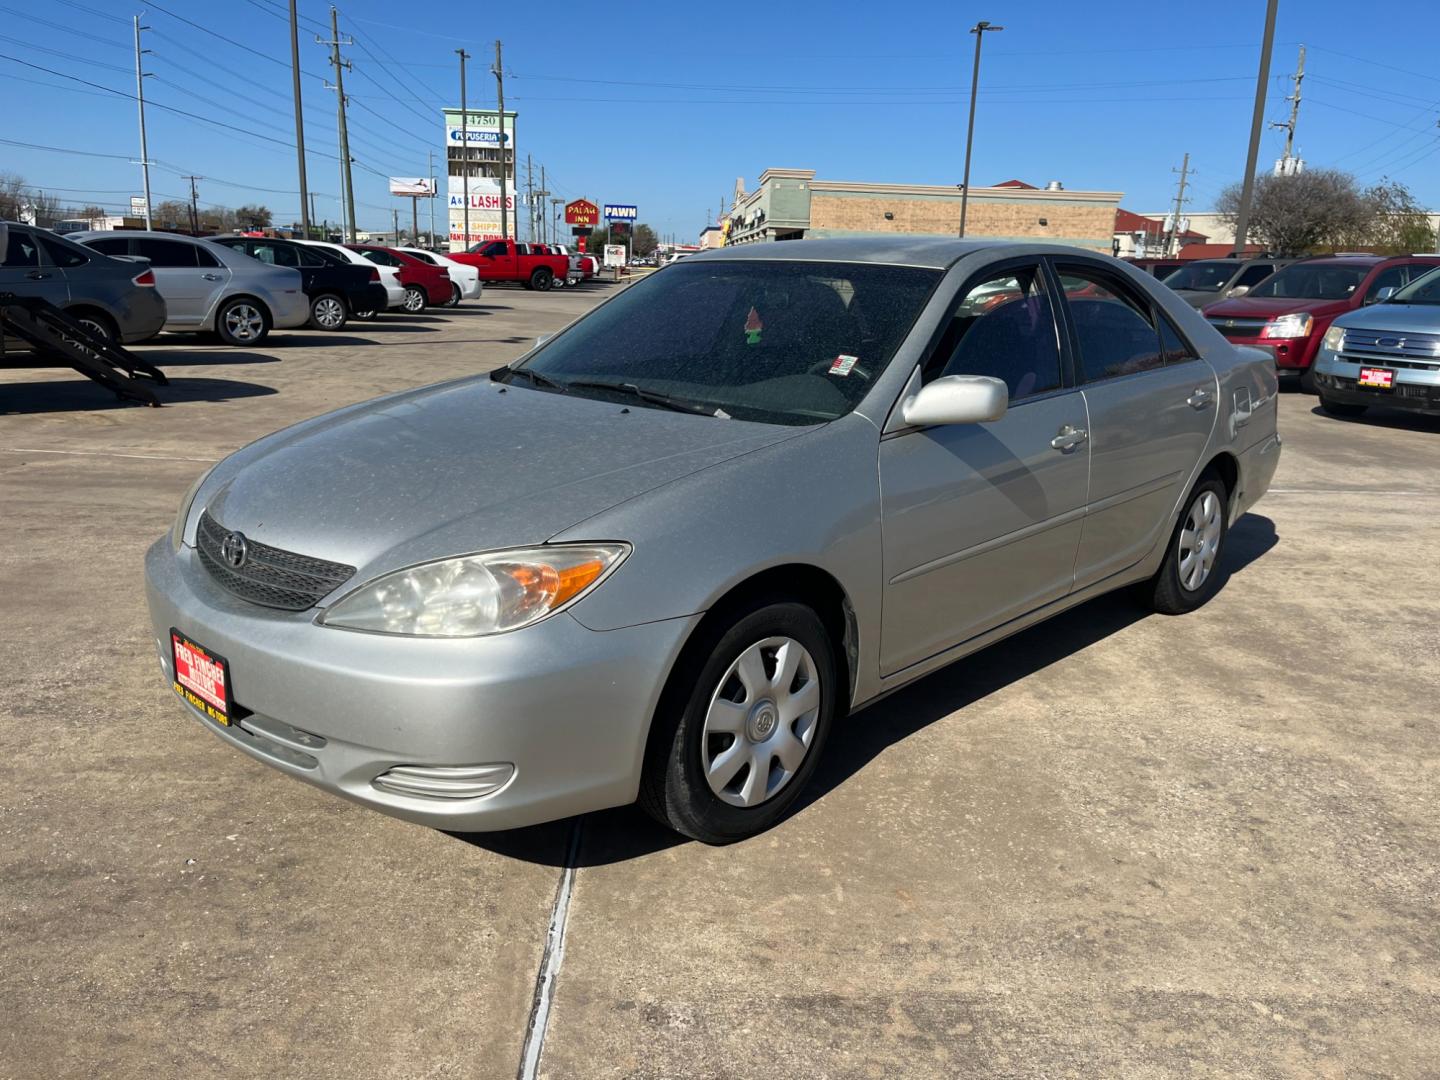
[1419, 352]
[269, 576]
[1238, 328]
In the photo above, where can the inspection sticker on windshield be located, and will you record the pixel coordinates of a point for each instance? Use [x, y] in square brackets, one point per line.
[202, 678]
[842, 364]
[753, 328]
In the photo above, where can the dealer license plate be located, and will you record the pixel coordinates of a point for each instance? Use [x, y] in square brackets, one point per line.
[202, 678]
[1376, 378]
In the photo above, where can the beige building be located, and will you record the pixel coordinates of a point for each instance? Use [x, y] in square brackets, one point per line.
[790, 204]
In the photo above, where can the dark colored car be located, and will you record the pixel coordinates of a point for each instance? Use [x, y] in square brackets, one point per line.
[425, 283]
[1206, 281]
[1287, 314]
[1158, 267]
[115, 298]
[335, 289]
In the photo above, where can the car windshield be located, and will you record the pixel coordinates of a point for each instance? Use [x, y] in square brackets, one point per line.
[772, 341]
[1201, 276]
[1423, 290]
[1312, 281]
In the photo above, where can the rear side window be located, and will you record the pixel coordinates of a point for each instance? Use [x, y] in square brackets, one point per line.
[384, 258]
[1253, 275]
[118, 245]
[275, 254]
[1113, 331]
[166, 253]
[423, 257]
[22, 250]
[1003, 327]
[1172, 346]
[204, 256]
[308, 256]
[63, 254]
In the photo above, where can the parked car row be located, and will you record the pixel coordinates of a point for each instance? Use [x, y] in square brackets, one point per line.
[129, 286]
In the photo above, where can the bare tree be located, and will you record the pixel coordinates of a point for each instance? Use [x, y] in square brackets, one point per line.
[1293, 214]
[1399, 225]
[171, 214]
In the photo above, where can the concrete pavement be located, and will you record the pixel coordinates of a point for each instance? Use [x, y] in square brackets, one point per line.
[1115, 845]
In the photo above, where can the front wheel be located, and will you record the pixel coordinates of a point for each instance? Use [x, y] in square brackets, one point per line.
[742, 725]
[1190, 574]
[1340, 409]
[415, 299]
[242, 321]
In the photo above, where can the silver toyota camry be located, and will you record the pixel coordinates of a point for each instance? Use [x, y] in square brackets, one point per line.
[661, 554]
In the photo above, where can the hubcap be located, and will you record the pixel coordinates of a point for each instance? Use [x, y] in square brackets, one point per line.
[1199, 541]
[244, 322]
[761, 721]
[413, 300]
[328, 312]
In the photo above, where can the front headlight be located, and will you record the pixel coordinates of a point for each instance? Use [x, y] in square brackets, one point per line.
[477, 594]
[177, 531]
[1296, 324]
[1334, 339]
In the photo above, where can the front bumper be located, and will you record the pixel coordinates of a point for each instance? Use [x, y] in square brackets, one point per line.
[1291, 354]
[1417, 386]
[568, 708]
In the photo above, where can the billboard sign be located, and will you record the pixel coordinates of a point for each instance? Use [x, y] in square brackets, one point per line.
[619, 212]
[421, 186]
[582, 212]
[457, 137]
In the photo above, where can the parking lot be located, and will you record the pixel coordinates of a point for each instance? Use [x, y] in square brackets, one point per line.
[1114, 845]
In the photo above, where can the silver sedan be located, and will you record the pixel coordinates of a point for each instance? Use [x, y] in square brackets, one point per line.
[661, 554]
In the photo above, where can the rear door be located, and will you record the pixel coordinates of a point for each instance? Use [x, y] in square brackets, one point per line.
[189, 290]
[982, 521]
[1152, 405]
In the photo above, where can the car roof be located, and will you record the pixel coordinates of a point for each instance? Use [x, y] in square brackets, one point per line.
[937, 252]
[90, 234]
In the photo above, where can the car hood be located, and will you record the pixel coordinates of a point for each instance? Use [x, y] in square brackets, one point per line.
[1245, 307]
[461, 467]
[1197, 298]
[1418, 317]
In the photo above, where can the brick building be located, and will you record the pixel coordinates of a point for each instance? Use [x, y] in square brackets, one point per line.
[790, 204]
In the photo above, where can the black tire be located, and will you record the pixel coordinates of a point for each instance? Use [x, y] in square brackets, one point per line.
[1307, 381]
[1340, 409]
[1166, 592]
[415, 300]
[454, 300]
[542, 279]
[328, 311]
[242, 321]
[674, 789]
[365, 313]
[98, 323]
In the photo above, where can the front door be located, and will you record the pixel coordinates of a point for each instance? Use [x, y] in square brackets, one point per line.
[1152, 405]
[981, 522]
[27, 271]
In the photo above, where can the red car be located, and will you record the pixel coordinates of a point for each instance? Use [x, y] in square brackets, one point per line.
[424, 283]
[1287, 314]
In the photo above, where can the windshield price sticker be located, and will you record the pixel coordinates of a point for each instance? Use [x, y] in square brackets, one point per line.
[842, 364]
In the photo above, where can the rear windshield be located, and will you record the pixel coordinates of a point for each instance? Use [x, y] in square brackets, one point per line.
[770, 341]
[1312, 281]
[1201, 276]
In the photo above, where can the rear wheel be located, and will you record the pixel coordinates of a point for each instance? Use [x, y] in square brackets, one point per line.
[542, 279]
[100, 325]
[1340, 409]
[327, 312]
[742, 724]
[415, 299]
[1190, 574]
[242, 321]
[454, 300]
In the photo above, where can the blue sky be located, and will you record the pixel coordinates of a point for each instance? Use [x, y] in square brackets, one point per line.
[664, 105]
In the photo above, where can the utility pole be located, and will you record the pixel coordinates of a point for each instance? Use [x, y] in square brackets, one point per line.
[464, 154]
[555, 205]
[542, 195]
[140, 76]
[1286, 168]
[1257, 121]
[313, 217]
[434, 194]
[394, 225]
[530, 196]
[1170, 241]
[978, 30]
[499, 71]
[346, 179]
[194, 207]
[299, 120]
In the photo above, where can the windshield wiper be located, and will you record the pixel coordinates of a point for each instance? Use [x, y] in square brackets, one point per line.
[536, 379]
[651, 397]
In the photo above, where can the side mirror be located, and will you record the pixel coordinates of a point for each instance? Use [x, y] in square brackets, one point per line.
[1238, 290]
[957, 399]
[1384, 293]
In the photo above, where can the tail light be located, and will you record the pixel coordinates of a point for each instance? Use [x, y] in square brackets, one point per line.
[375, 274]
[145, 277]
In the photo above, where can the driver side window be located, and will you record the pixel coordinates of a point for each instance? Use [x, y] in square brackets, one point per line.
[1004, 326]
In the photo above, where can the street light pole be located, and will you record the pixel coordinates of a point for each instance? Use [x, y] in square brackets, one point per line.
[978, 30]
[464, 155]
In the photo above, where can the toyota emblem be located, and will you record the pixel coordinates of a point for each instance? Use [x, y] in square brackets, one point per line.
[234, 549]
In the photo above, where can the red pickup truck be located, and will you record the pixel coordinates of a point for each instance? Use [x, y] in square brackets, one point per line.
[505, 260]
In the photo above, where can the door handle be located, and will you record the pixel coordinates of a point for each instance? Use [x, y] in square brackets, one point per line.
[212, 277]
[37, 275]
[1200, 398]
[1069, 438]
